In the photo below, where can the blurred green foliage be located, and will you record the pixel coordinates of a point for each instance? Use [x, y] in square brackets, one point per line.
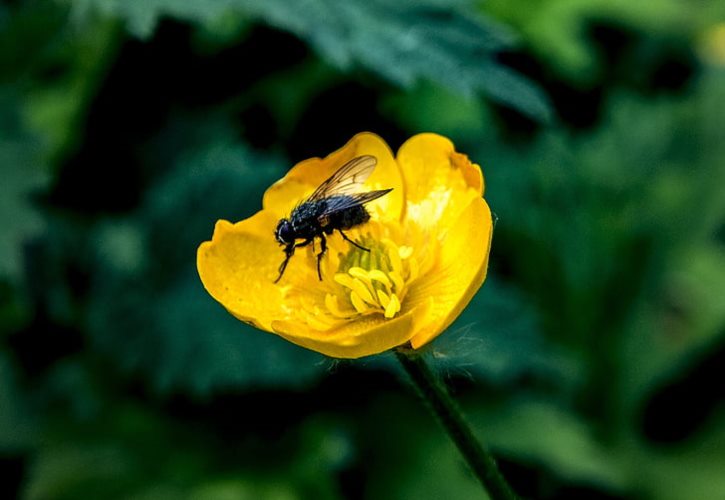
[447, 42]
[591, 360]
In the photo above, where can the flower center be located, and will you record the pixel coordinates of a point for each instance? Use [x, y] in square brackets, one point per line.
[358, 283]
[374, 281]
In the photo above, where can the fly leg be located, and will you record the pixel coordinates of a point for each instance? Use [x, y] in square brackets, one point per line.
[356, 244]
[323, 249]
[289, 251]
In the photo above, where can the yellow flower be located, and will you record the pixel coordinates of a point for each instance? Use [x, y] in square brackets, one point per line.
[429, 240]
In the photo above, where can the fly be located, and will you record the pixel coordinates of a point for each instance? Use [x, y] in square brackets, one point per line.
[334, 206]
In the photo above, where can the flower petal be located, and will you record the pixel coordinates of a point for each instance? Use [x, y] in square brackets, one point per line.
[363, 337]
[435, 208]
[440, 182]
[304, 177]
[457, 276]
[238, 268]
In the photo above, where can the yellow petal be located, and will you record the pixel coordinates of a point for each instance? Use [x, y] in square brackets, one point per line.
[459, 273]
[365, 336]
[472, 173]
[238, 268]
[304, 177]
[440, 182]
[333, 305]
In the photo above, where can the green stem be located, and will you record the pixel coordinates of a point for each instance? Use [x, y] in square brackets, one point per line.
[435, 393]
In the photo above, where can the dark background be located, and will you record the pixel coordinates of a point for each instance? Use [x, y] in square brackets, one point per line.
[592, 360]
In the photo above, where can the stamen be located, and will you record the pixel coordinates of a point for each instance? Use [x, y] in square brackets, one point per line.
[371, 282]
[384, 298]
[397, 279]
[361, 274]
[355, 285]
[378, 275]
[358, 303]
[393, 307]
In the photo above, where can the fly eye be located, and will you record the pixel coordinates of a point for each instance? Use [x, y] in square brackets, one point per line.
[284, 231]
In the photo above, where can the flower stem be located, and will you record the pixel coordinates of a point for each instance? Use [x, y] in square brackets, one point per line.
[435, 393]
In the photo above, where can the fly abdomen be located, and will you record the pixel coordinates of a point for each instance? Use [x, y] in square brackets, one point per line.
[348, 218]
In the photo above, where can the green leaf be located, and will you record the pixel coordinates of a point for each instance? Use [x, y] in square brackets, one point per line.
[551, 438]
[434, 108]
[23, 175]
[142, 16]
[404, 42]
[44, 91]
[611, 235]
[556, 30]
[17, 425]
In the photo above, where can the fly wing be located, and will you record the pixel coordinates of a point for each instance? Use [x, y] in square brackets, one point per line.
[347, 180]
[340, 203]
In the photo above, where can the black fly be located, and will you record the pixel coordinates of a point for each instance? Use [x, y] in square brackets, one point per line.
[335, 205]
